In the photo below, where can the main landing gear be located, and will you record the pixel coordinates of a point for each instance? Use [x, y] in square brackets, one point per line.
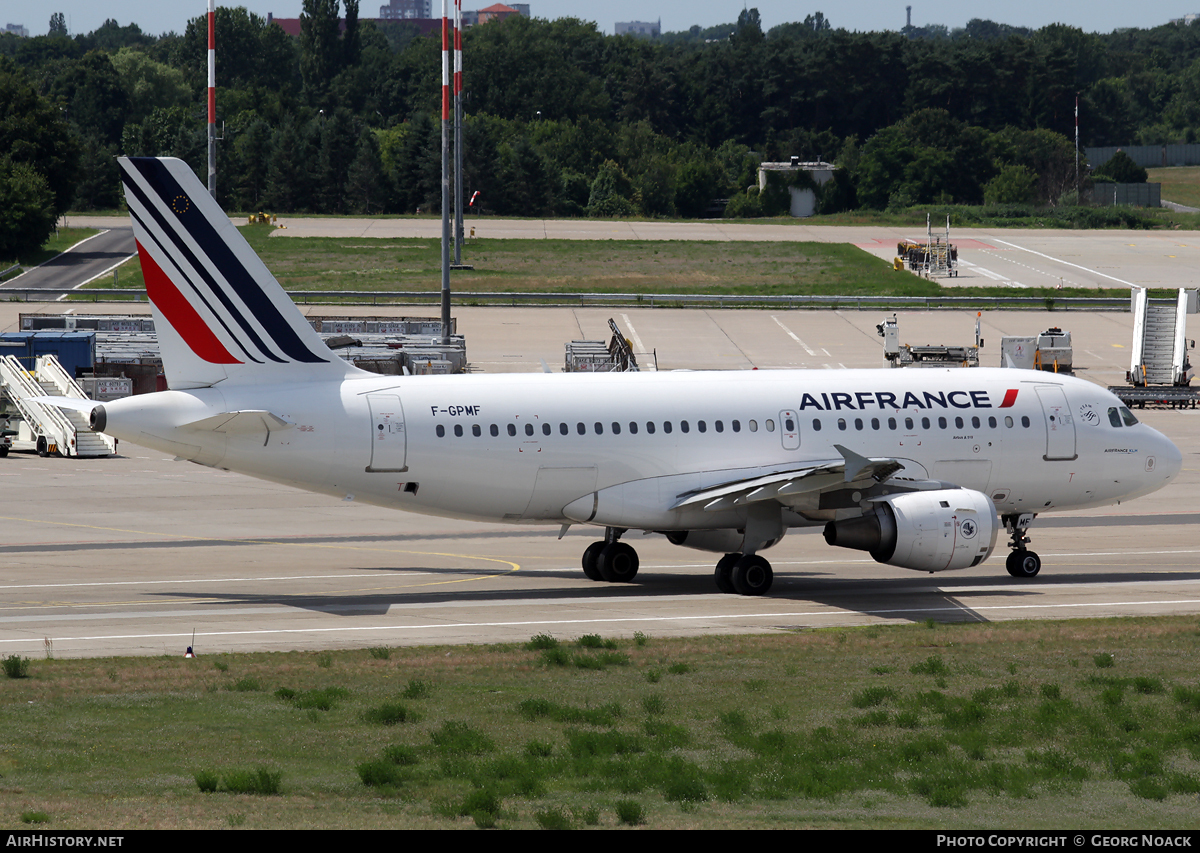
[613, 561]
[745, 574]
[609, 559]
[1021, 563]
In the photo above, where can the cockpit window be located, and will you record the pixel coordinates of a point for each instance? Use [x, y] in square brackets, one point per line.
[1127, 417]
[1114, 417]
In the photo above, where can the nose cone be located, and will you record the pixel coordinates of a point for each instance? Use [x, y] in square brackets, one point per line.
[1169, 458]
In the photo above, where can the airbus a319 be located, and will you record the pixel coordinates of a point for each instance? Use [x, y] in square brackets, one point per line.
[920, 468]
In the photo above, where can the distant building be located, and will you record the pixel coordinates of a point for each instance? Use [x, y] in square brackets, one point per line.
[804, 200]
[399, 10]
[641, 29]
[497, 12]
[17, 30]
[1188, 19]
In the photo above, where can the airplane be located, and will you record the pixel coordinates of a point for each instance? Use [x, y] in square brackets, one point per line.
[919, 468]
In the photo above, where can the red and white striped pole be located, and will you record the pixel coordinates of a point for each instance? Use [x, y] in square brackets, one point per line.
[458, 147]
[445, 172]
[212, 99]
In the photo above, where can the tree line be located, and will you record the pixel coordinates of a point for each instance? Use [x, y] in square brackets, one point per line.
[562, 120]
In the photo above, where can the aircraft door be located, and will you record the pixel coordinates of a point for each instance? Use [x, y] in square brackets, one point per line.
[789, 429]
[1060, 426]
[389, 440]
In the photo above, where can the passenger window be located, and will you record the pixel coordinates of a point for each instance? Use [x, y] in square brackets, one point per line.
[1128, 417]
[1008, 421]
[858, 424]
[941, 423]
[1025, 420]
[562, 428]
[650, 427]
[616, 428]
[458, 430]
[992, 422]
[545, 429]
[720, 426]
[841, 423]
[770, 425]
[789, 425]
[441, 431]
[891, 423]
[737, 426]
[633, 428]
[874, 423]
[816, 424]
[924, 423]
[683, 426]
[975, 422]
[702, 426]
[475, 431]
[512, 429]
[529, 429]
[495, 430]
[599, 428]
[958, 423]
[666, 426]
[580, 428]
[908, 423]
[753, 426]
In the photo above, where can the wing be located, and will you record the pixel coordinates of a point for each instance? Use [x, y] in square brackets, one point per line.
[785, 486]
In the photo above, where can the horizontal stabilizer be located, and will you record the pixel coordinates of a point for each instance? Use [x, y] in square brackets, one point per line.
[241, 423]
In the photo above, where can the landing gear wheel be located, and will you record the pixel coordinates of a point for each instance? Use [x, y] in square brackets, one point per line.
[752, 575]
[724, 573]
[617, 563]
[1023, 564]
[590, 555]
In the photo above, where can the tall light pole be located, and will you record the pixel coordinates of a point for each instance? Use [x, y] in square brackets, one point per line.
[212, 99]
[445, 172]
[458, 146]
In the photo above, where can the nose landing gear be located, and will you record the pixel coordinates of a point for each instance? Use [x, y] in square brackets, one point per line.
[1021, 563]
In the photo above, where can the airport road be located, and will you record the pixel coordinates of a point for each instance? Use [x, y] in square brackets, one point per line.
[84, 262]
[132, 554]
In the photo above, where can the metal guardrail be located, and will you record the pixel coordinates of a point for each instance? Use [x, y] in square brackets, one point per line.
[644, 300]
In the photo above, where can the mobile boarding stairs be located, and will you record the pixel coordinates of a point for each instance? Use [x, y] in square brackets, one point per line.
[45, 428]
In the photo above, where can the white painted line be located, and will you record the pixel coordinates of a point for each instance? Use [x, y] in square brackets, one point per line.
[792, 335]
[540, 623]
[1067, 263]
[638, 346]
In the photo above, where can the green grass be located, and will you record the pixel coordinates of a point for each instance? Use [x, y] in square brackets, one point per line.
[896, 726]
[596, 266]
[1180, 184]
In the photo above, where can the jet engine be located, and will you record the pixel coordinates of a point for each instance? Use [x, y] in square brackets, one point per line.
[927, 531]
[717, 541]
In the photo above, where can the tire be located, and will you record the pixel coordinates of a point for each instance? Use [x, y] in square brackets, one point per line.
[617, 563]
[3, 451]
[1023, 564]
[41, 447]
[752, 575]
[590, 555]
[724, 573]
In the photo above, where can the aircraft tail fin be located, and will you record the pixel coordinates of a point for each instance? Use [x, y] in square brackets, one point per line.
[220, 314]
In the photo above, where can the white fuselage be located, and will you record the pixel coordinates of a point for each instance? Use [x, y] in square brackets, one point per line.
[523, 447]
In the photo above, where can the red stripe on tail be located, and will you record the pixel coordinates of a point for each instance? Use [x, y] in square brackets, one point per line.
[180, 313]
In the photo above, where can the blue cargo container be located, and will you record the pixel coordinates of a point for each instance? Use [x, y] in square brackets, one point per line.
[75, 351]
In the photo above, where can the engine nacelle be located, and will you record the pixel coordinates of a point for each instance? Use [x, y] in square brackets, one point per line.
[927, 531]
[717, 541]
